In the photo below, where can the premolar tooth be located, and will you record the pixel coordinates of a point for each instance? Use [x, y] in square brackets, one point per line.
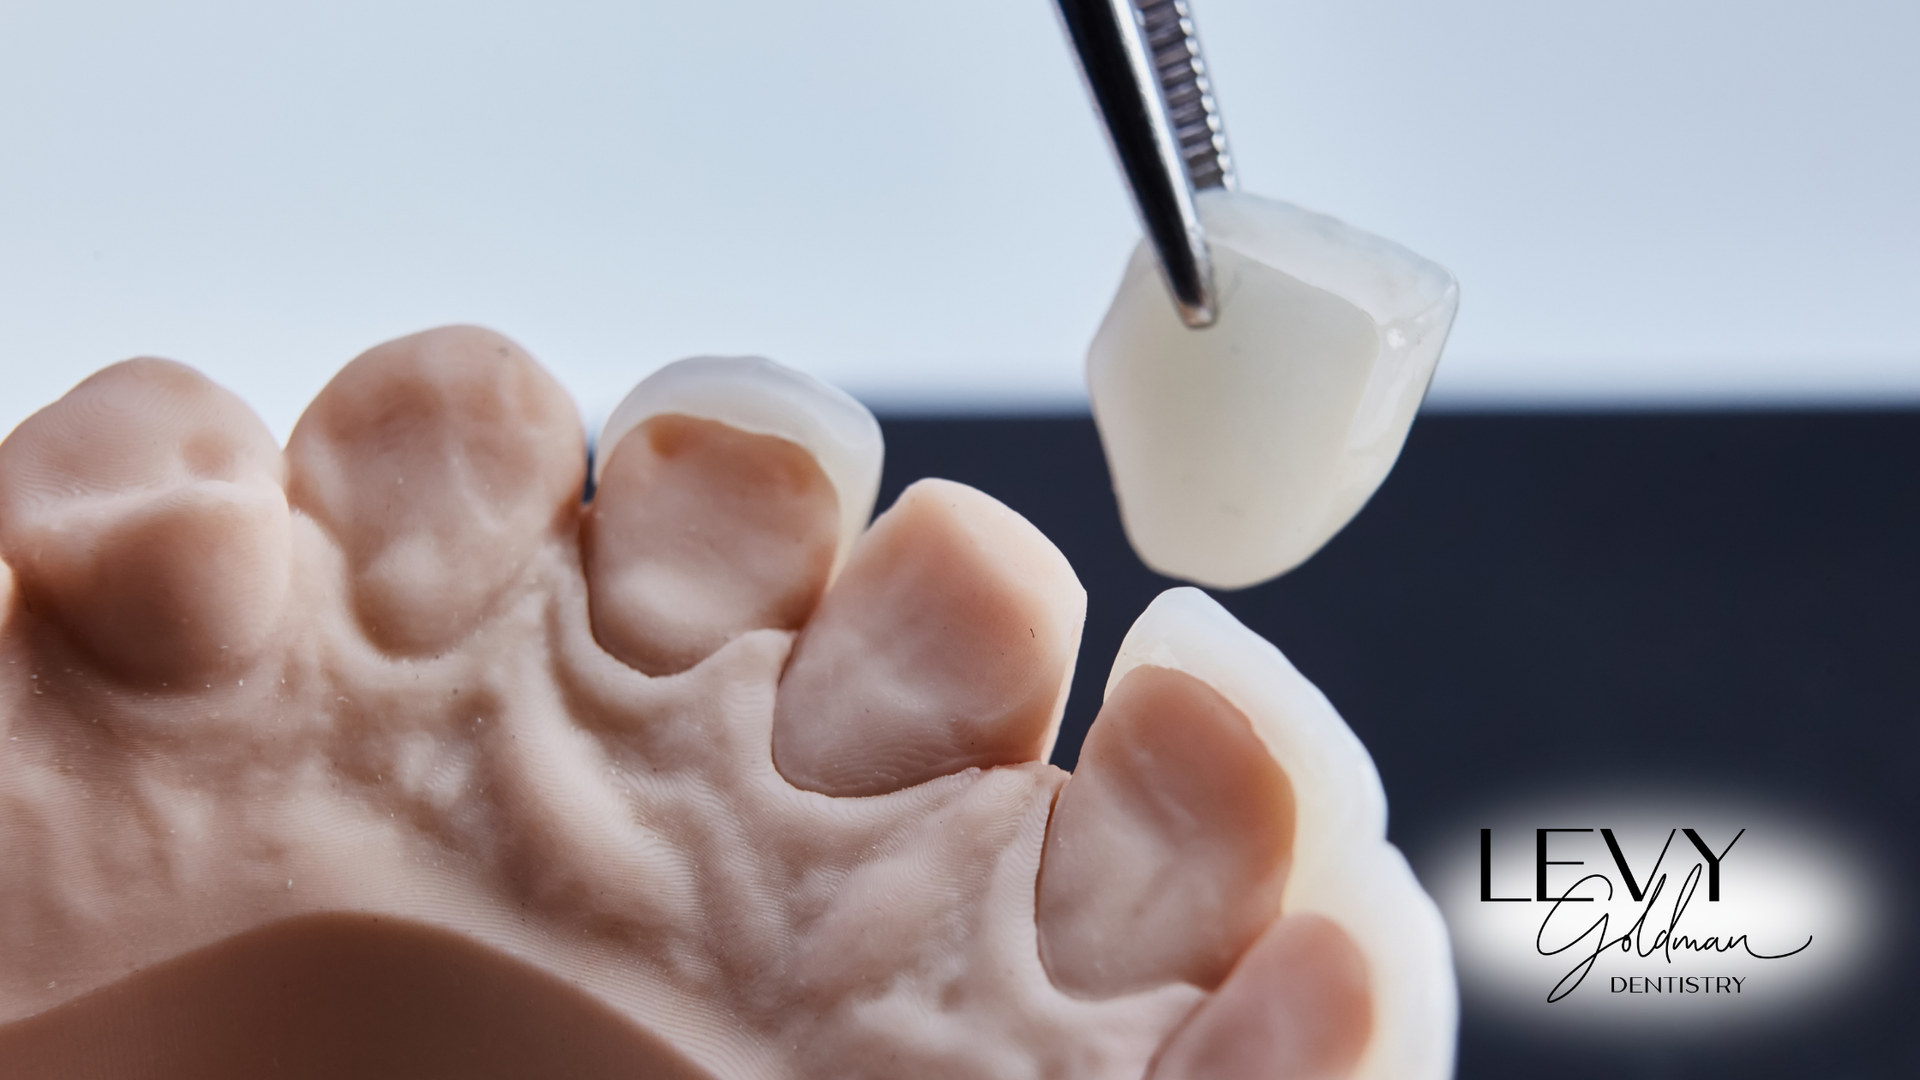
[440, 462]
[727, 491]
[758, 396]
[1240, 449]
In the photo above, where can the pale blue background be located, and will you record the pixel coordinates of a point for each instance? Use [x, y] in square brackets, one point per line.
[1666, 202]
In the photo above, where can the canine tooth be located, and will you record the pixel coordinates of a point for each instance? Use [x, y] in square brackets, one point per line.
[1239, 449]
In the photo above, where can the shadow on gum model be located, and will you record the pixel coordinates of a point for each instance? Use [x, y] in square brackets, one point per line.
[385, 756]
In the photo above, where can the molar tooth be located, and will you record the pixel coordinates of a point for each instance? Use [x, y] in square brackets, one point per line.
[1240, 449]
[144, 512]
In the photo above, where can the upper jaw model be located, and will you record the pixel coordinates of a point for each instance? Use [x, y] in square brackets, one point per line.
[387, 756]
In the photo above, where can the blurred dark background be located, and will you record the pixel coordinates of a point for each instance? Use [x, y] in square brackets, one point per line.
[1728, 598]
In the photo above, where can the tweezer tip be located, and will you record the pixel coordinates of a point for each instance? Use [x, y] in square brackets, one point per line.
[1197, 316]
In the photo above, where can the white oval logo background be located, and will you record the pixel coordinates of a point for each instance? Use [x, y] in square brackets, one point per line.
[1631, 935]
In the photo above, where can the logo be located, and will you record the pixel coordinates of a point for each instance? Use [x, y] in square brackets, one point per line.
[1652, 911]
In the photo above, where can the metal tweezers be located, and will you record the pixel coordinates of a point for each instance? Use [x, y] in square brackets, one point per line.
[1143, 66]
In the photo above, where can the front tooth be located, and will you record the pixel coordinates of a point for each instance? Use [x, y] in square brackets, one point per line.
[1239, 449]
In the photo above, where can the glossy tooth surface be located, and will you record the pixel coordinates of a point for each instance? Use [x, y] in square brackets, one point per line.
[1240, 449]
[1343, 872]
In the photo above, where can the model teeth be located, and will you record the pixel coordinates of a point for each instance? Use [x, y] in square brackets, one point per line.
[1342, 869]
[394, 726]
[756, 395]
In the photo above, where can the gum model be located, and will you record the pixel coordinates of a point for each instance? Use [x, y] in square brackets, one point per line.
[387, 756]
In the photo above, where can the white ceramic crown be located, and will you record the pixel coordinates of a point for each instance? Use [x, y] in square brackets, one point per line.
[1239, 449]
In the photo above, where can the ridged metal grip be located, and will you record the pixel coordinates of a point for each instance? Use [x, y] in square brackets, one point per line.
[1149, 81]
[1191, 110]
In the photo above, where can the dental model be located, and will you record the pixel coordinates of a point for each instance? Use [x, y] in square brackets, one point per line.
[386, 756]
